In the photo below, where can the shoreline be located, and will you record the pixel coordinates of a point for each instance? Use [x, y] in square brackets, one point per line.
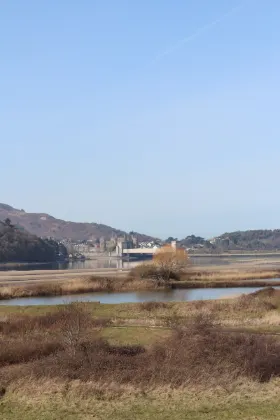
[224, 285]
[66, 294]
[48, 283]
[195, 255]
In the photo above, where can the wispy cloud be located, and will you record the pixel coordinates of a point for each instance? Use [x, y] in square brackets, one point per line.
[198, 32]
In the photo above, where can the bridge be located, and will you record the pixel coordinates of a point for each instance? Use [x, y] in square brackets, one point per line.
[139, 252]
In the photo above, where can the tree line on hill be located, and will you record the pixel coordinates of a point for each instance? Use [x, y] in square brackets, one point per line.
[17, 245]
[250, 240]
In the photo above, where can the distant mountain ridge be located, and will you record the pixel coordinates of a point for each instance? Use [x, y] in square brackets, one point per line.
[250, 240]
[257, 240]
[44, 225]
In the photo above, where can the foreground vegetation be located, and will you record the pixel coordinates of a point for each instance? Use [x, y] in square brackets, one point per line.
[197, 360]
[52, 400]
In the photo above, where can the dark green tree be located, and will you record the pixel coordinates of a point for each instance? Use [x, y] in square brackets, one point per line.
[8, 222]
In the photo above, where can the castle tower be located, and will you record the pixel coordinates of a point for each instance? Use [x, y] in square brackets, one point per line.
[102, 244]
[135, 241]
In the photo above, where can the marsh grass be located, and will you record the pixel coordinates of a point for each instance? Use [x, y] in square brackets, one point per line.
[68, 345]
[90, 284]
[70, 361]
[48, 399]
[230, 275]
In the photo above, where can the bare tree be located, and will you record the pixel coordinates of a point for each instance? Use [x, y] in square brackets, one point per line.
[171, 261]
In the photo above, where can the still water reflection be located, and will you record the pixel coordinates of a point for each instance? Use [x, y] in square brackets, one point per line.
[175, 295]
[120, 264]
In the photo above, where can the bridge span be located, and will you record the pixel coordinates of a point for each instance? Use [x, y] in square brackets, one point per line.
[139, 252]
[123, 251]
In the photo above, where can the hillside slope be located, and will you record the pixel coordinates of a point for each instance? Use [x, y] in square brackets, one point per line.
[44, 225]
[19, 246]
[249, 240]
[259, 240]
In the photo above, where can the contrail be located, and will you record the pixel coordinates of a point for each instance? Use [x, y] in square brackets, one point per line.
[198, 32]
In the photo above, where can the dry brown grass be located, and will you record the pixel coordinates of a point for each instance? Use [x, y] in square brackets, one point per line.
[245, 310]
[59, 361]
[152, 306]
[193, 278]
[77, 286]
[49, 399]
[231, 275]
[67, 345]
[197, 354]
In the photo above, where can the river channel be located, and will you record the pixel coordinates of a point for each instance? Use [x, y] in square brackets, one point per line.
[174, 295]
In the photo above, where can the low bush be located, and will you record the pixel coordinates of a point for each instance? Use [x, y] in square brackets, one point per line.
[143, 271]
[199, 352]
[153, 306]
[23, 351]
[154, 272]
[254, 302]
[66, 345]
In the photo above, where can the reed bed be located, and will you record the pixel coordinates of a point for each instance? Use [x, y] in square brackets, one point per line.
[90, 284]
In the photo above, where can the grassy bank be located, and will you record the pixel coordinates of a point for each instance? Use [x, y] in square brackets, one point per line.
[51, 400]
[200, 284]
[155, 360]
[260, 308]
[90, 284]
[231, 275]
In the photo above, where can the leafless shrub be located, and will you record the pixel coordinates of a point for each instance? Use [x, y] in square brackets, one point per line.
[74, 323]
[142, 271]
[19, 326]
[199, 351]
[208, 351]
[14, 352]
[157, 273]
[125, 350]
[153, 306]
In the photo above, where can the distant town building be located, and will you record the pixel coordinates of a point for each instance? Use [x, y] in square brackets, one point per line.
[102, 244]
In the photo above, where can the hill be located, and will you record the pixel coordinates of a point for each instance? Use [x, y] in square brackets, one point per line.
[16, 245]
[44, 225]
[195, 242]
[250, 240]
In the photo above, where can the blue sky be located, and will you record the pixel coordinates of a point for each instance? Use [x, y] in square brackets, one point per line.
[157, 116]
